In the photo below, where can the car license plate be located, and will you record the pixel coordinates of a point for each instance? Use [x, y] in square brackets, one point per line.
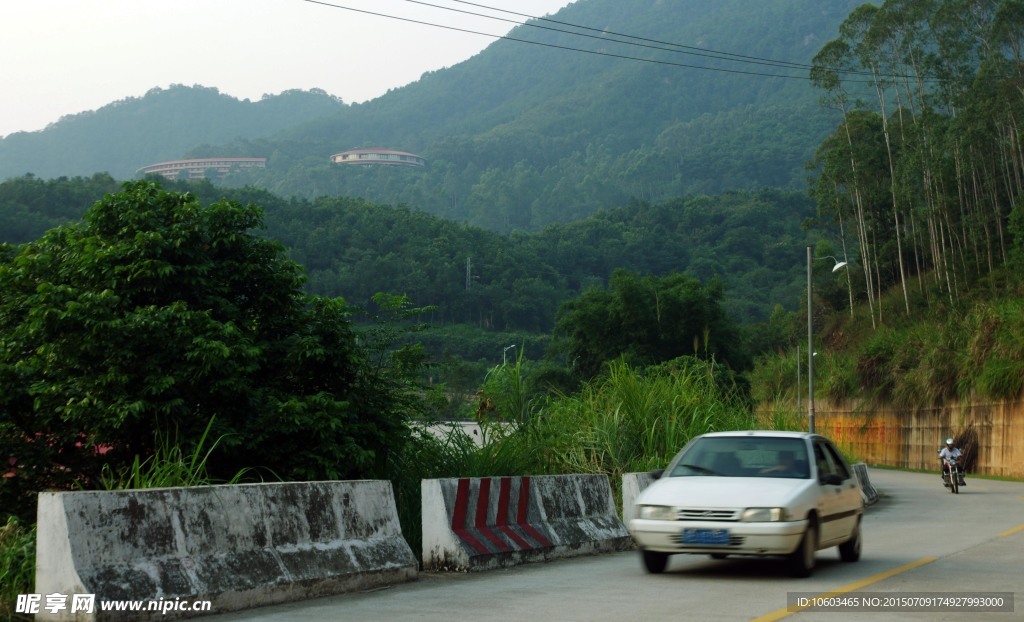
[705, 536]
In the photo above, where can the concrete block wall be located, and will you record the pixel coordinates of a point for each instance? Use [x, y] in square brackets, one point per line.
[237, 546]
[632, 485]
[483, 523]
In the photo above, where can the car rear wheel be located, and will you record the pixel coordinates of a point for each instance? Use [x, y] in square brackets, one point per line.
[801, 561]
[849, 551]
[654, 561]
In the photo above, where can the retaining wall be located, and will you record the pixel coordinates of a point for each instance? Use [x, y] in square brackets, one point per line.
[483, 523]
[237, 546]
[912, 438]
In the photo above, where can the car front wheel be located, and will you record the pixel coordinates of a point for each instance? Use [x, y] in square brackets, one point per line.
[655, 561]
[801, 561]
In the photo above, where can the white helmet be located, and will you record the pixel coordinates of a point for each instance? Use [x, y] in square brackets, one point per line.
[949, 441]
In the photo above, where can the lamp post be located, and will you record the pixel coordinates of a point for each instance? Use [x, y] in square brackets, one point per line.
[503, 357]
[810, 335]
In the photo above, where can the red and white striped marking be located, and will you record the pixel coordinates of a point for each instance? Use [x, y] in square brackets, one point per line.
[508, 533]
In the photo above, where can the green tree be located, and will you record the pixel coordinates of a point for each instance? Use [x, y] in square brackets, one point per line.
[155, 316]
[648, 320]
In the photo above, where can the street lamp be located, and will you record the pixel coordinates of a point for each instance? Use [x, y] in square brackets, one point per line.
[503, 357]
[810, 335]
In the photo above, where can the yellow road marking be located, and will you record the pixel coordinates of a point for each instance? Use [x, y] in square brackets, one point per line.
[1010, 532]
[782, 613]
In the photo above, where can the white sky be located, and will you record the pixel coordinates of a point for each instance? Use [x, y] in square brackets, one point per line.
[60, 57]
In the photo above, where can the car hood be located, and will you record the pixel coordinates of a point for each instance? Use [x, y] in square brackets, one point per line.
[723, 492]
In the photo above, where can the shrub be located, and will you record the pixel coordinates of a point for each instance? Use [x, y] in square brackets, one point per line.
[17, 565]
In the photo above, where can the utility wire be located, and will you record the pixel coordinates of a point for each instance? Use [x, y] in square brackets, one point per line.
[563, 47]
[673, 47]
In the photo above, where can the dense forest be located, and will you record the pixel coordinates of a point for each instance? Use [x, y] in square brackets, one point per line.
[924, 178]
[752, 242]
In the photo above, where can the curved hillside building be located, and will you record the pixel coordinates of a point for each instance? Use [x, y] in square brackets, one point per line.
[197, 168]
[378, 156]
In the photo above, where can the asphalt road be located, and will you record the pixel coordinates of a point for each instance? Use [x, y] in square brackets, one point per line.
[919, 541]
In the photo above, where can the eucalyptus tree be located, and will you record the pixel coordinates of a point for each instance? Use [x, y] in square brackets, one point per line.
[834, 180]
[874, 35]
[952, 145]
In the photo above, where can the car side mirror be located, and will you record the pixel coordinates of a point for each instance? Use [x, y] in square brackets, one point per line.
[830, 479]
[657, 473]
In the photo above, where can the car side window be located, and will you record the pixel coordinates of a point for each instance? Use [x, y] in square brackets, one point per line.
[823, 461]
[837, 460]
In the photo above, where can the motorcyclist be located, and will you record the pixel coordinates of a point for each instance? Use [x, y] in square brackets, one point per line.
[947, 452]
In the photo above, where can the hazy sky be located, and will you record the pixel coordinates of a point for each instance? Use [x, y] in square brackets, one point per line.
[60, 57]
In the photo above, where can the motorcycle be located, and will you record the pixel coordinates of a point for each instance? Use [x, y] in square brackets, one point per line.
[952, 476]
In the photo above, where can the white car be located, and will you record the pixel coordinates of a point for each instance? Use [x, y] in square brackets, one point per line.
[758, 493]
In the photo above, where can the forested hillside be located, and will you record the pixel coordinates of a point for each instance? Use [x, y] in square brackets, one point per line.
[513, 147]
[605, 102]
[122, 137]
[925, 181]
[750, 241]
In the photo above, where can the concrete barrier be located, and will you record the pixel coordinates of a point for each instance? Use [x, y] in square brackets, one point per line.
[632, 485]
[867, 490]
[472, 524]
[236, 546]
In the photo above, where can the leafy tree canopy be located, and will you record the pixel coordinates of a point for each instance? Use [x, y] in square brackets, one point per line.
[647, 320]
[157, 315]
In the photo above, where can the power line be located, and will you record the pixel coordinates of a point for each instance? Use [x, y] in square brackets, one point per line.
[552, 45]
[654, 44]
[673, 47]
[685, 49]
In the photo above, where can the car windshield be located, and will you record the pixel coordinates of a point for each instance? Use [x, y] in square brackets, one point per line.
[743, 456]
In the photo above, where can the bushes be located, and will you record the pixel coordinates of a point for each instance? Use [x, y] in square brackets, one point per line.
[975, 353]
[17, 564]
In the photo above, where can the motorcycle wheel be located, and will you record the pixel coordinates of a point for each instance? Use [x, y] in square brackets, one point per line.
[953, 487]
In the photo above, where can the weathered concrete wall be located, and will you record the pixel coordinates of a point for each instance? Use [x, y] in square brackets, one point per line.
[632, 485]
[484, 523]
[237, 546]
[910, 439]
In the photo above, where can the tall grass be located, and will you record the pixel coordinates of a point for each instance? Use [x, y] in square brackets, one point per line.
[628, 420]
[17, 566]
[632, 419]
[506, 387]
[168, 467]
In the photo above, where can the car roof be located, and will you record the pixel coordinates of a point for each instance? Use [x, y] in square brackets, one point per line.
[764, 434]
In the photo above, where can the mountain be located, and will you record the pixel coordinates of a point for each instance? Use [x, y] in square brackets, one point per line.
[124, 136]
[566, 116]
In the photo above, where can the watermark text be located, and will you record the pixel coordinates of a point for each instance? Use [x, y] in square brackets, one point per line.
[87, 603]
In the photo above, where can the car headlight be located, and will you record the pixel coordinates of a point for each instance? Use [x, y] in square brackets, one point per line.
[657, 512]
[764, 515]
